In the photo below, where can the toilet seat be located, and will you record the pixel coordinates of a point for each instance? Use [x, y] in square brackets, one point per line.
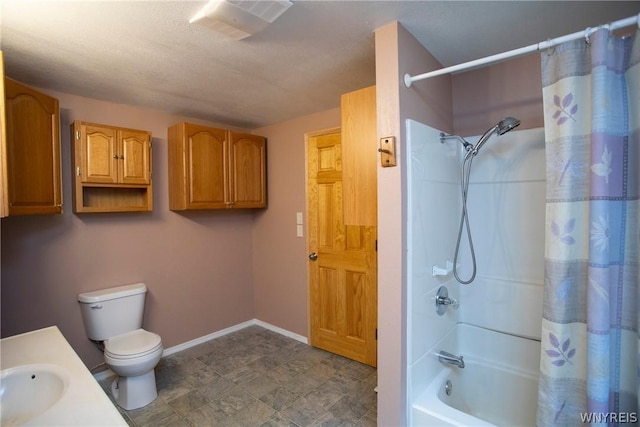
[133, 344]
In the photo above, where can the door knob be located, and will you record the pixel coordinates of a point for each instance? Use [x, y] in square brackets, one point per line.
[313, 256]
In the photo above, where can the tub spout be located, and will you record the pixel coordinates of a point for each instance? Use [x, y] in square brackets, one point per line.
[451, 359]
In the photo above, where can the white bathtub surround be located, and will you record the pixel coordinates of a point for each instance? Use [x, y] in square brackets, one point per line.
[83, 403]
[506, 215]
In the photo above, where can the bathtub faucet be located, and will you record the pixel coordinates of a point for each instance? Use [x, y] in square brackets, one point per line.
[450, 359]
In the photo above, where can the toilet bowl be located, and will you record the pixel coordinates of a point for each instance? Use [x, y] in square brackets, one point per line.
[132, 357]
[113, 317]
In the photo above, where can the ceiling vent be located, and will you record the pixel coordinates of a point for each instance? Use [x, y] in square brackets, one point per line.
[239, 19]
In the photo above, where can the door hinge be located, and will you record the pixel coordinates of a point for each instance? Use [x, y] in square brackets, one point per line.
[78, 171]
[376, 245]
[376, 334]
[78, 135]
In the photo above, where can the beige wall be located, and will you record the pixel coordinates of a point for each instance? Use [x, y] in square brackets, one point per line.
[398, 52]
[484, 96]
[279, 257]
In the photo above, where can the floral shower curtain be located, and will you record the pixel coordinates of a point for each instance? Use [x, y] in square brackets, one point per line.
[590, 343]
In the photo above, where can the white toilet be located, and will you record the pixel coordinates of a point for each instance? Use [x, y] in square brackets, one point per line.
[114, 317]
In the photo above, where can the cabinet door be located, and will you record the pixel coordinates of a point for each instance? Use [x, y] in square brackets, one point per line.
[134, 149]
[206, 167]
[247, 166]
[33, 151]
[99, 163]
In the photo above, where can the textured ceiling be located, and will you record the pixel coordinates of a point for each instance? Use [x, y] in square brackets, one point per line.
[146, 53]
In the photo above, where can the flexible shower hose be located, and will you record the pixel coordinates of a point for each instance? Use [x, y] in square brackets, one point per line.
[464, 219]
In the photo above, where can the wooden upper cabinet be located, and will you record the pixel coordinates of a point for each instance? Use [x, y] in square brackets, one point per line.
[112, 168]
[247, 174]
[359, 157]
[211, 168]
[33, 151]
[113, 155]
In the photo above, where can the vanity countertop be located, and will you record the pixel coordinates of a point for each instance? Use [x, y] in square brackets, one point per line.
[84, 403]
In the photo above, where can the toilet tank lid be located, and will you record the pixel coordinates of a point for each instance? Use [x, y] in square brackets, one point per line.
[112, 293]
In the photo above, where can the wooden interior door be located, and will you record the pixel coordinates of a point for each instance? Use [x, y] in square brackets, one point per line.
[343, 261]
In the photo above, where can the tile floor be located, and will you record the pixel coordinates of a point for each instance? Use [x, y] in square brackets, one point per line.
[257, 377]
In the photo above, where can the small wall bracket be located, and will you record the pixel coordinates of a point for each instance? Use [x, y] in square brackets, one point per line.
[387, 151]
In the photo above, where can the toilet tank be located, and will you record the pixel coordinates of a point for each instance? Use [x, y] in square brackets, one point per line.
[113, 311]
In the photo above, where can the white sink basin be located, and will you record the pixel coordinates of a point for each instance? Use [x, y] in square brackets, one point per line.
[29, 390]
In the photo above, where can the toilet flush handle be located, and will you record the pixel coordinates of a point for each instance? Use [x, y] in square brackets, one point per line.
[95, 306]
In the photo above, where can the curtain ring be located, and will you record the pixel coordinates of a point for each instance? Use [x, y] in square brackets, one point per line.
[549, 47]
[586, 35]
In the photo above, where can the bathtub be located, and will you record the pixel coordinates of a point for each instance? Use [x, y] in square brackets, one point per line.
[497, 387]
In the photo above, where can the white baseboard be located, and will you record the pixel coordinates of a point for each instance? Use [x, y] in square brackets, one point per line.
[281, 331]
[99, 376]
[180, 347]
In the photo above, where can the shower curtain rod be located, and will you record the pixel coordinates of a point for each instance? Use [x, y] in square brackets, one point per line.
[627, 22]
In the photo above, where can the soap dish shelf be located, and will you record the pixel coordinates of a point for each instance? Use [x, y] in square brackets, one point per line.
[442, 271]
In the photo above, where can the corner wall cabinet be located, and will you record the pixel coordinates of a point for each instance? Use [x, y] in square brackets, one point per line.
[32, 121]
[112, 168]
[211, 168]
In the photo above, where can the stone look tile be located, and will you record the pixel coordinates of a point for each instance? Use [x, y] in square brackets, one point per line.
[256, 377]
[234, 400]
[188, 402]
[277, 420]
[254, 414]
[279, 398]
[260, 386]
[303, 411]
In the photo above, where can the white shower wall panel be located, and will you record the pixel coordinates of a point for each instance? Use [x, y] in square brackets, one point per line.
[503, 305]
[433, 195]
[507, 222]
[506, 205]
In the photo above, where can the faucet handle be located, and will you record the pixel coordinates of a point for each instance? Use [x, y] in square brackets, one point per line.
[443, 300]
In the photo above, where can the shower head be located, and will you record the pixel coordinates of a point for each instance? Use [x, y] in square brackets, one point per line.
[506, 124]
[503, 126]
